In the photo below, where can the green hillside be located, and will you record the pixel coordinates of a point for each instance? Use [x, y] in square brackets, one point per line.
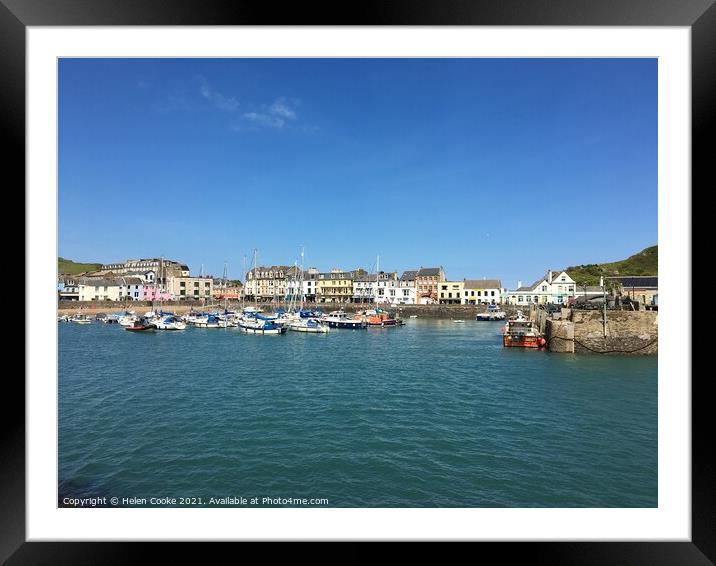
[69, 267]
[646, 262]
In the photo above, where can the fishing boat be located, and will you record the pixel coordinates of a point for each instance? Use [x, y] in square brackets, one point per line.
[493, 312]
[379, 318]
[522, 333]
[339, 319]
[81, 319]
[312, 325]
[261, 326]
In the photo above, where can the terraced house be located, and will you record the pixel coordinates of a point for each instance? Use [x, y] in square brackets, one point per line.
[482, 291]
[427, 281]
[264, 284]
[336, 286]
[450, 292]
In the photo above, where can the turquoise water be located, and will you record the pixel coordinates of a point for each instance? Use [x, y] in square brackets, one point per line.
[432, 414]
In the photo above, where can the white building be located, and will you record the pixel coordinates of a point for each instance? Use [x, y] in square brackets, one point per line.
[556, 287]
[365, 288]
[482, 291]
[387, 288]
[406, 289]
[298, 286]
[131, 289]
[99, 289]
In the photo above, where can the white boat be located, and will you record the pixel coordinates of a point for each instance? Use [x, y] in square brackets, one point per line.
[168, 322]
[308, 325]
[458, 321]
[492, 313]
[261, 326]
[413, 316]
[207, 321]
[128, 318]
[81, 319]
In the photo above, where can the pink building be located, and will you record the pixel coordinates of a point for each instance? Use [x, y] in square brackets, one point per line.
[154, 294]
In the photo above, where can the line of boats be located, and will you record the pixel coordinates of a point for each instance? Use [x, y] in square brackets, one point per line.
[517, 332]
[250, 320]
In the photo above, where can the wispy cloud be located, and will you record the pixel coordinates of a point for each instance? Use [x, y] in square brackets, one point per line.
[281, 108]
[219, 100]
[276, 115]
[267, 120]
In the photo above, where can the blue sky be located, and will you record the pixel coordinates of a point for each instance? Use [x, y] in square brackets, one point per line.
[497, 168]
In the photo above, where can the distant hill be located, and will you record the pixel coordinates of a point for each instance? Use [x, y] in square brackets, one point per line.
[69, 267]
[646, 262]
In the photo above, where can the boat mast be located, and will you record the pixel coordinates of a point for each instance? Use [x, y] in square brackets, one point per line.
[300, 279]
[377, 271]
[256, 283]
[224, 285]
[243, 278]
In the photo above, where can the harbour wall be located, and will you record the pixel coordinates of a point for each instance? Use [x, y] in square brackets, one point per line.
[627, 332]
[583, 332]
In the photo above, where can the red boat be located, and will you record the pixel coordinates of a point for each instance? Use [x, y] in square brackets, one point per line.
[139, 327]
[522, 333]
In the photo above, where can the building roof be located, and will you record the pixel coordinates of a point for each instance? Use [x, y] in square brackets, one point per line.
[101, 282]
[640, 281]
[408, 276]
[133, 280]
[428, 271]
[368, 277]
[483, 284]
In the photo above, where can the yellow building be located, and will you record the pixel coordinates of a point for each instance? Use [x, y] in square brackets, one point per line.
[450, 292]
[335, 287]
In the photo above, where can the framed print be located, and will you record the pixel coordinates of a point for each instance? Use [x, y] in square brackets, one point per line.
[418, 147]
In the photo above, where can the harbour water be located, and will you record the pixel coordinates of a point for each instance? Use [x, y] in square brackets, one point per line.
[431, 414]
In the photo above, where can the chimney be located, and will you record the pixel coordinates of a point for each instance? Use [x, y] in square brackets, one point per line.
[549, 276]
[519, 284]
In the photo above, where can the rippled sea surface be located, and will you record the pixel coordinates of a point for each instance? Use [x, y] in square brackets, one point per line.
[432, 414]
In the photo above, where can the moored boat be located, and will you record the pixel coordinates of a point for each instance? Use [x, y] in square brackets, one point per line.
[261, 326]
[493, 312]
[81, 319]
[522, 333]
[168, 322]
[339, 319]
[379, 318]
[312, 325]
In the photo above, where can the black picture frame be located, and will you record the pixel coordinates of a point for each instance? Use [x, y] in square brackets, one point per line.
[16, 15]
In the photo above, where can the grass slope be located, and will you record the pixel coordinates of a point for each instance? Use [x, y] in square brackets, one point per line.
[69, 267]
[646, 262]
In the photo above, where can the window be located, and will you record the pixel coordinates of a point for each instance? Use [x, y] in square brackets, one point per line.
[563, 278]
[492, 293]
[519, 299]
[196, 283]
[529, 299]
[449, 295]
